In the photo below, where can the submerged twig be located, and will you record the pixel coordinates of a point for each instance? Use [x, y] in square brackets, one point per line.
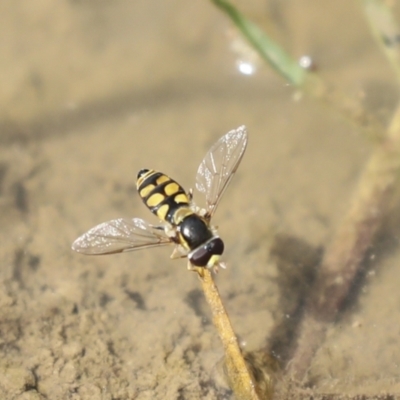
[343, 256]
[240, 379]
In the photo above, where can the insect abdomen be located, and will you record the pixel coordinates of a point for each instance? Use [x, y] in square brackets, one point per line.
[161, 194]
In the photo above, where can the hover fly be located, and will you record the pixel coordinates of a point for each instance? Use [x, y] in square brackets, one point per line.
[183, 224]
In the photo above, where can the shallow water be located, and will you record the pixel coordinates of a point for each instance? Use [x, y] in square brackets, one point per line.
[95, 91]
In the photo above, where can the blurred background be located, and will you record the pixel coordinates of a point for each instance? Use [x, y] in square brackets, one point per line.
[93, 91]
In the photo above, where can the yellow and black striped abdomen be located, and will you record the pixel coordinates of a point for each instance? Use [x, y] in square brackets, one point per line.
[161, 194]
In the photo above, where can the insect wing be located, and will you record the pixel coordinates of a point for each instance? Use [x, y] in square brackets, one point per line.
[120, 235]
[219, 165]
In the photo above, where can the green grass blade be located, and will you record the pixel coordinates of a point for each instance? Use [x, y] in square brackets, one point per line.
[268, 49]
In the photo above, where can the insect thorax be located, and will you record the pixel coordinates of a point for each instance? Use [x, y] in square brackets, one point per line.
[161, 194]
[194, 231]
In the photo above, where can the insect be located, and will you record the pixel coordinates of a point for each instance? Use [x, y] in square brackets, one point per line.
[183, 224]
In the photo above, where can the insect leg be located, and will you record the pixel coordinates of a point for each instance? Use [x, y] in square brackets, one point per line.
[178, 252]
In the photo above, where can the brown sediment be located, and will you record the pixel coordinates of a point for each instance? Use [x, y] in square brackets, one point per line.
[342, 259]
[349, 109]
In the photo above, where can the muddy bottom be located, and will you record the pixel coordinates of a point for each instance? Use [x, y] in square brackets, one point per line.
[97, 91]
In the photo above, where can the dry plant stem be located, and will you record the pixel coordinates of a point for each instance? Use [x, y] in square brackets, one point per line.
[343, 257]
[240, 379]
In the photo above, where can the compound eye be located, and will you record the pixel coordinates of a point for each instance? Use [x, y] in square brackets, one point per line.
[215, 246]
[202, 255]
[142, 172]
